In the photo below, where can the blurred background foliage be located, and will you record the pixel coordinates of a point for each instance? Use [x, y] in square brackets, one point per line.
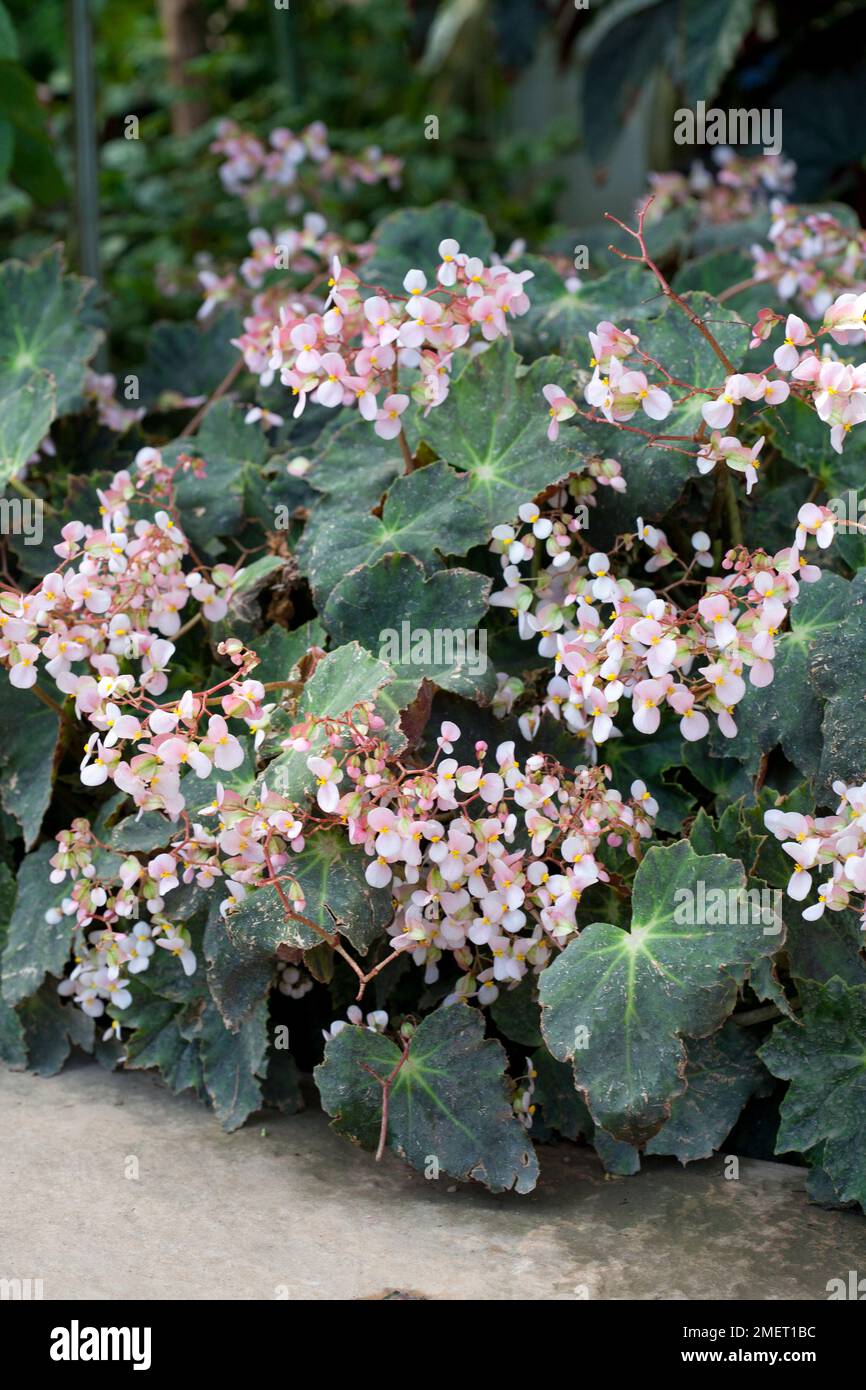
[548, 111]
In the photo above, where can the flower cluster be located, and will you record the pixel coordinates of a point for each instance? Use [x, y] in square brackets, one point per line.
[831, 848]
[736, 189]
[813, 257]
[117, 597]
[350, 352]
[835, 390]
[101, 390]
[375, 1022]
[288, 174]
[101, 627]
[441, 838]
[253, 170]
[617, 391]
[613, 641]
[444, 840]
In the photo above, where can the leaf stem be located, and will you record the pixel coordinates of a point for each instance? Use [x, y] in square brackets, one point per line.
[228, 380]
[386, 1083]
[645, 259]
[32, 496]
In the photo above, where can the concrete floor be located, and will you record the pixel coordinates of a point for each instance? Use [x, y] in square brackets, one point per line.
[299, 1213]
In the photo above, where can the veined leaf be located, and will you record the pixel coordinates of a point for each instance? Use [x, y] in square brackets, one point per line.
[618, 1004]
[449, 1102]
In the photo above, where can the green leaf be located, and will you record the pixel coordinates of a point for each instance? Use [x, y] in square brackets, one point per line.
[212, 506]
[42, 328]
[517, 1013]
[720, 270]
[789, 712]
[635, 995]
[804, 439]
[837, 665]
[34, 948]
[28, 748]
[561, 1106]
[7, 149]
[189, 359]
[231, 1063]
[409, 240]
[255, 575]
[280, 651]
[163, 1037]
[449, 1100]
[240, 966]
[354, 466]
[241, 948]
[34, 168]
[13, 1050]
[26, 413]
[330, 872]
[8, 37]
[343, 679]
[722, 1073]
[625, 43]
[831, 946]
[655, 473]
[713, 31]
[493, 427]
[428, 513]
[50, 1029]
[281, 1088]
[820, 1187]
[617, 1157]
[651, 759]
[424, 628]
[559, 319]
[142, 833]
[824, 1058]
[724, 777]
[729, 835]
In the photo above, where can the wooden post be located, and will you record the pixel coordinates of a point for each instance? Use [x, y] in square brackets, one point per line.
[184, 32]
[86, 159]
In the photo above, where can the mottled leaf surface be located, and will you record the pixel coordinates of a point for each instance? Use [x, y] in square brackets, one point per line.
[824, 1058]
[449, 1101]
[639, 993]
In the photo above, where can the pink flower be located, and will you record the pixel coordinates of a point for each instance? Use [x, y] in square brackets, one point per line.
[562, 407]
[489, 315]
[797, 334]
[227, 752]
[815, 521]
[162, 870]
[715, 611]
[328, 776]
[804, 855]
[694, 723]
[22, 673]
[330, 392]
[646, 698]
[449, 250]
[388, 417]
